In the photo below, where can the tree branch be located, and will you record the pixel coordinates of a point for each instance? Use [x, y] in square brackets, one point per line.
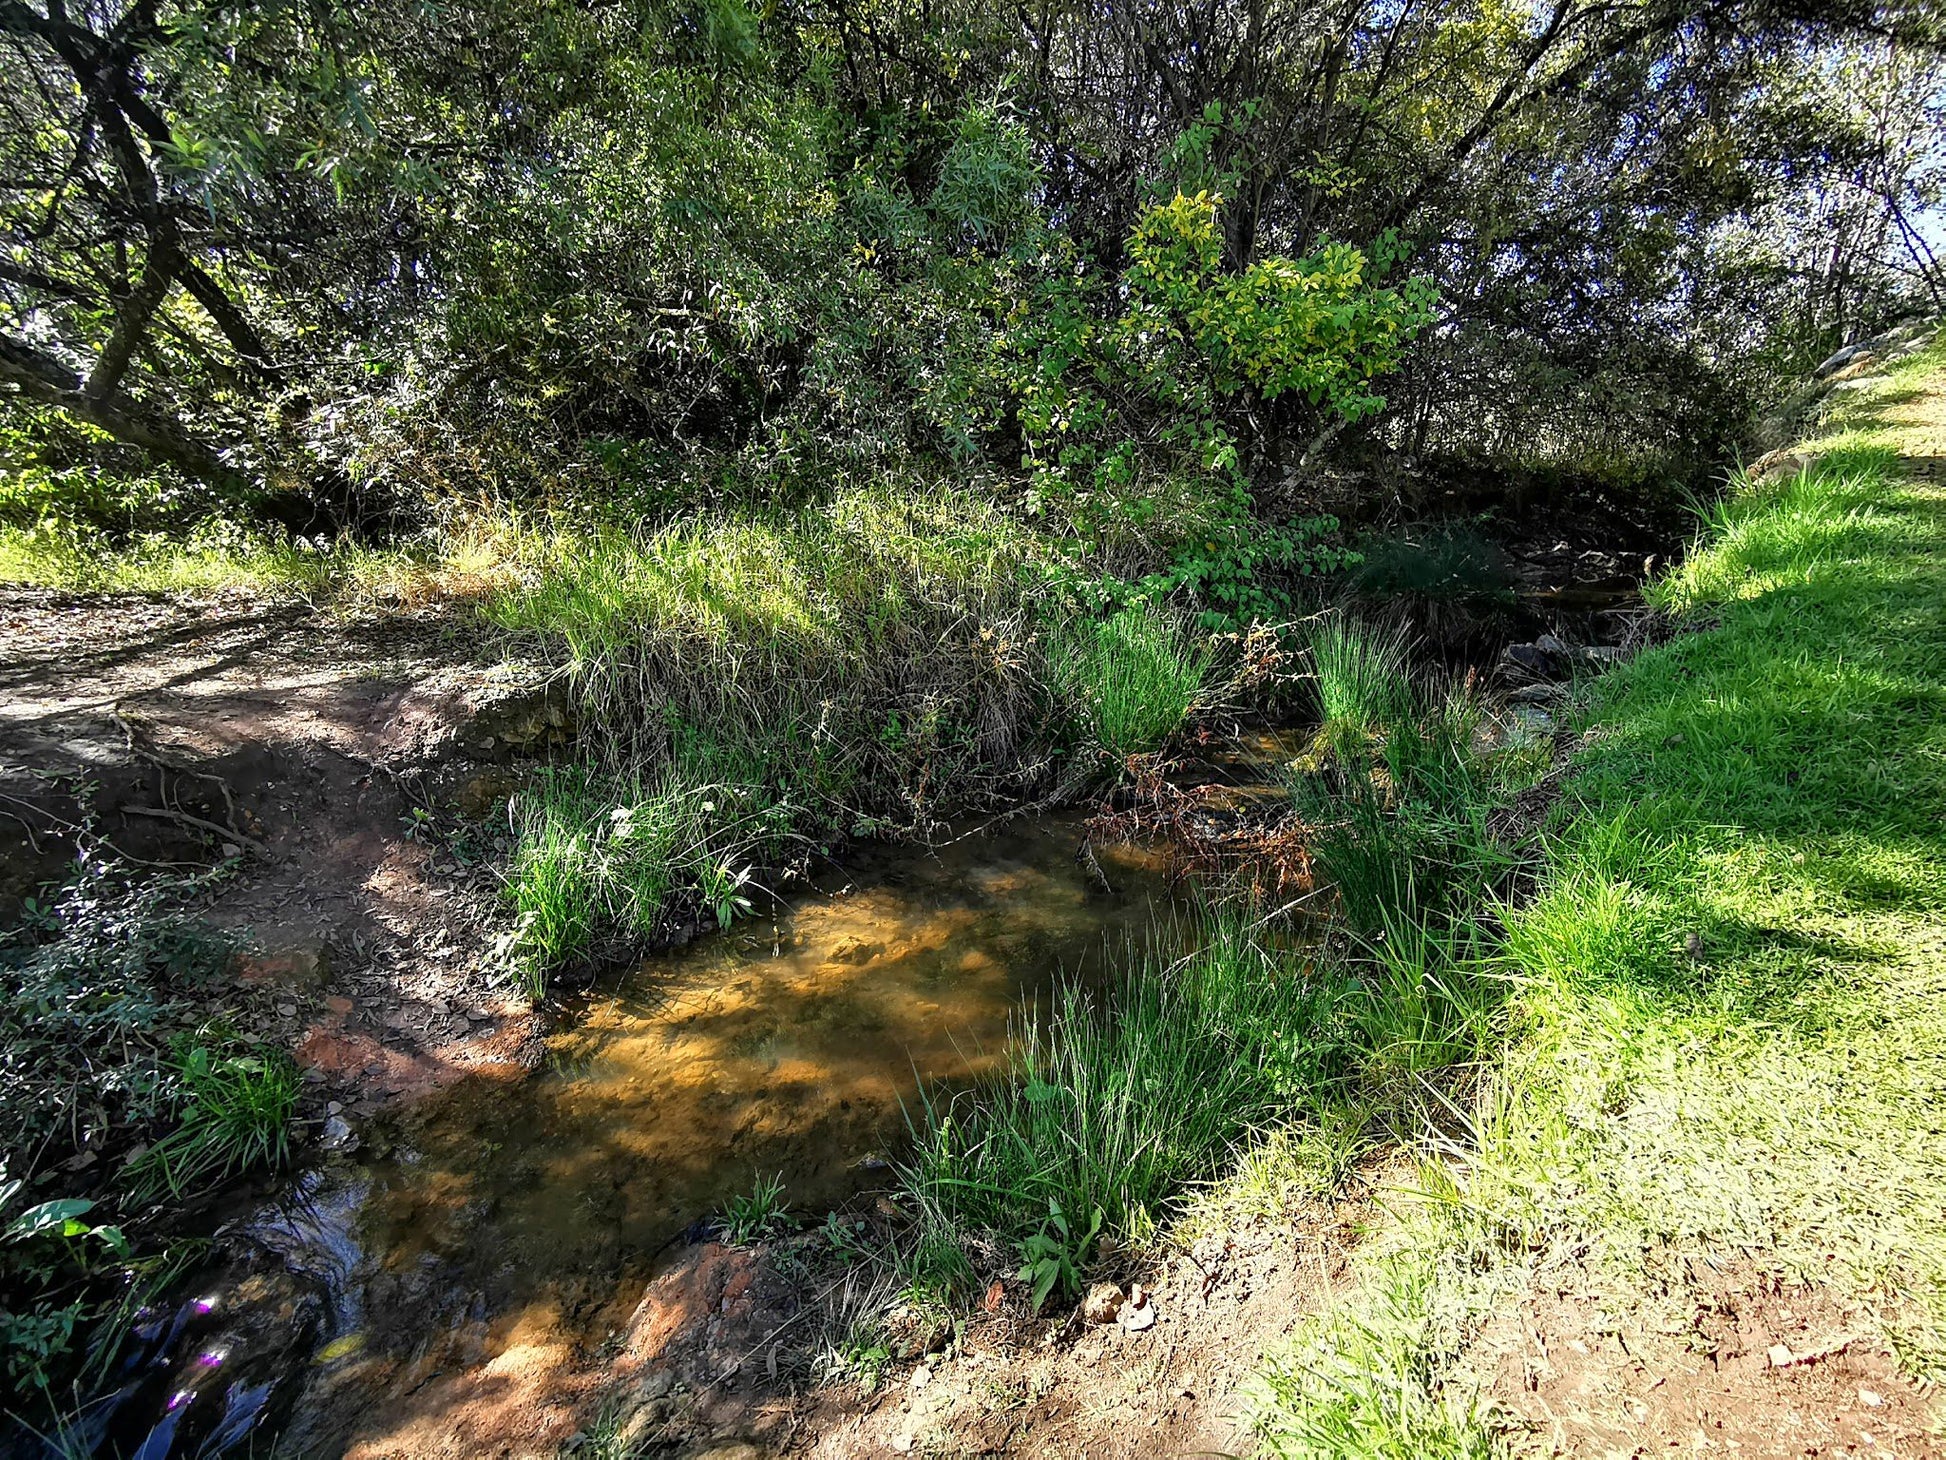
[40, 377]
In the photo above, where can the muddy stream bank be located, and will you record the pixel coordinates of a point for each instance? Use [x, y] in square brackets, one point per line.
[477, 1249]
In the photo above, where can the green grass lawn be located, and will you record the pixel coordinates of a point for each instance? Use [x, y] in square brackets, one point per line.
[1728, 1022]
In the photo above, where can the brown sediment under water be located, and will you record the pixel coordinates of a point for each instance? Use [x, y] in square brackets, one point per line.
[499, 1232]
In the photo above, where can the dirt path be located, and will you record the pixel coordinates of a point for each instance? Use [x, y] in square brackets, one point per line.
[296, 745]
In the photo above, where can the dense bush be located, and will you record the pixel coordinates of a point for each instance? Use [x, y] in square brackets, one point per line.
[352, 268]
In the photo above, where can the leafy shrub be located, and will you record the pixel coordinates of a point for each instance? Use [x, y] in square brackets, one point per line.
[101, 966]
[102, 1046]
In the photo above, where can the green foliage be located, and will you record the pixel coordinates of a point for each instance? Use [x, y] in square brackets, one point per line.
[1052, 1259]
[1124, 390]
[1727, 982]
[595, 855]
[1360, 676]
[1113, 1104]
[1316, 327]
[103, 1047]
[756, 1215]
[235, 1108]
[1135, 676]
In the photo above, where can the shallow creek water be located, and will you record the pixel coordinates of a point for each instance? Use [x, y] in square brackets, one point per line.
[502, 1229]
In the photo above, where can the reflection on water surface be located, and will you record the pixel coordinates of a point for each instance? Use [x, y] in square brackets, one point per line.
[506, 1226]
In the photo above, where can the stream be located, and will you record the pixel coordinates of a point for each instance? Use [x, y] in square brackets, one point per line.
[506, 1227]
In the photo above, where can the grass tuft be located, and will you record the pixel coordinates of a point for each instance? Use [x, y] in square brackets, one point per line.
[1118, 1101]
[1135, 678]
[1362, 684]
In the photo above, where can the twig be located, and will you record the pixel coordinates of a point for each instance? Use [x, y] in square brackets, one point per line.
[161, 762]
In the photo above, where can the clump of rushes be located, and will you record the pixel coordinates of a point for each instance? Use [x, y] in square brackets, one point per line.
[1119, 1099]
[598, 854]
[1362, 684]
[1135, 677]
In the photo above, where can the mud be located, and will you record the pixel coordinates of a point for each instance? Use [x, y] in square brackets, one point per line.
[482, 1245]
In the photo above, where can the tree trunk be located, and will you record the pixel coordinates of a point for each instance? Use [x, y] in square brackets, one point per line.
[42, 378]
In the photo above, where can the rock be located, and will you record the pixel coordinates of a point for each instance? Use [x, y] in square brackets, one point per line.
[911, 1333]
[1103, 1303]
[709, 1312]
[658, 1384]
[1832, 364]
[1138, 1313]
[339, 1136]
[484, 793]
[1779, 465]
[483, 714]
[1870, 1398]
[1538, 694]
[921, 1377]
[1531, 659]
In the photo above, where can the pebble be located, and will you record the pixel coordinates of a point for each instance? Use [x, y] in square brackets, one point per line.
[1103, 1302]
[1138, 1313]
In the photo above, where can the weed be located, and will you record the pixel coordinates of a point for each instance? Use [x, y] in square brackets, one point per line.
[100, 1047]
[1359, 1381]
[757, 1215]
[1051, 1259]
[237, 1104]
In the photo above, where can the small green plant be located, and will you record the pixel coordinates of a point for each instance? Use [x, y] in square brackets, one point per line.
[236, 1113]
[1051, 1259]
[756, 1215]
